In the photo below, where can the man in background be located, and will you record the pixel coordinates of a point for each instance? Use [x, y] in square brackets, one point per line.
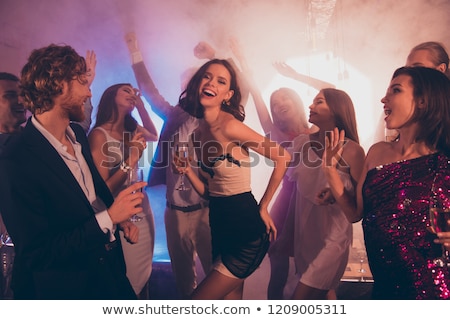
[12, 116]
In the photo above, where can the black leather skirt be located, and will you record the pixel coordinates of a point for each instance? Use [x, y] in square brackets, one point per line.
[238, 233]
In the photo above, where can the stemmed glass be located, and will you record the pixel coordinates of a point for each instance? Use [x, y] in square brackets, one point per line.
[135, 175]
[5, 240]
[182, 153]
[361, 253]
[440, 220]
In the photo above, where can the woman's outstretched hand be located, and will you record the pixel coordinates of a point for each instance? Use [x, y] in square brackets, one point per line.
[334, 146]
[284, 69]
[91, 63]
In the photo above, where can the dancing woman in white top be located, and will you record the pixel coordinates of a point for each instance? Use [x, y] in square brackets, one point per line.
[240, 227]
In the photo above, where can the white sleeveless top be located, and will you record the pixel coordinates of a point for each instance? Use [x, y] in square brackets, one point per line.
[115, 147]
[227, 176]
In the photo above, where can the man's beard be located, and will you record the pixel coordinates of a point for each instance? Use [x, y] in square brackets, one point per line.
[76, 113]
[74, 105]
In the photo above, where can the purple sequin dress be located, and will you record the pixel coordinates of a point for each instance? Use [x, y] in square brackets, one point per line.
[400, 248]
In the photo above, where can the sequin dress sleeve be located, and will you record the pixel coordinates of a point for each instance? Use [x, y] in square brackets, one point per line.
[399, 245]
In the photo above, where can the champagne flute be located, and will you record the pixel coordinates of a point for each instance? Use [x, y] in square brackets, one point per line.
[182, 152]
[440, 221]
[5, 240]
[361, 257]
[135, 174]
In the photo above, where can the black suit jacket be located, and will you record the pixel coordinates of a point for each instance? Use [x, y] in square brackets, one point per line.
[60, 248]
[5, 138]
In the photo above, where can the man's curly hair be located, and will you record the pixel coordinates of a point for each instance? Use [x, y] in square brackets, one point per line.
[43, 75]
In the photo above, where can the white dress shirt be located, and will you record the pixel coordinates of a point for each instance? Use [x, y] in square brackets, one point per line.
[81, 172]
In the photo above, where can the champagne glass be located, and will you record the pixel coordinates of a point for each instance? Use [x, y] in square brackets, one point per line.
[182, 152]
[5, 240]
[440, 221]
[361, 257]
[135, 174]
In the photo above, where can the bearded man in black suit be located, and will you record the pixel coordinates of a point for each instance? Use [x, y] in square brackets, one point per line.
[59, 212]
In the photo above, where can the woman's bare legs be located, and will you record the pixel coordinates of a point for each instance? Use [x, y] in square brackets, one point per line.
[304, 292]
[217, 286]
[331, 295]
[236, 294]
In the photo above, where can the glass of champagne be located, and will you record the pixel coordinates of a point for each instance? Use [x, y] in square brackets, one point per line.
[5, 240]
[135, 174]
[440, 221]
[362, 257]
[182, 153]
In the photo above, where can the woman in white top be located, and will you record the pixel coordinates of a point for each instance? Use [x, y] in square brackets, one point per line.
[322, 233]
[240, 227]
[117, 142]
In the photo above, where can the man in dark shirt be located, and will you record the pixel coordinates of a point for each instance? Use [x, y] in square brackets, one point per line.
[12, 116]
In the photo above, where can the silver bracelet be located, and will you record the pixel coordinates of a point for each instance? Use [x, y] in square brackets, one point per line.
[124, 167]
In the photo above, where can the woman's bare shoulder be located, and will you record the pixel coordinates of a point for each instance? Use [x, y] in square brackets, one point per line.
[379, 153]
[380, 147]
[96, 134]
[229, 123]
[353, 147]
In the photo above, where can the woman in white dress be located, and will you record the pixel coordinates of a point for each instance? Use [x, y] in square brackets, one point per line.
[117, 142]
[322, 233]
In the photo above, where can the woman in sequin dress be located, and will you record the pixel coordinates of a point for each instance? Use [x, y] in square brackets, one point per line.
[394, 191]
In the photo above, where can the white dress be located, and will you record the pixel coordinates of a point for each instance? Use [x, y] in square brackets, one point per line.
[322, 233]
[138, 256]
